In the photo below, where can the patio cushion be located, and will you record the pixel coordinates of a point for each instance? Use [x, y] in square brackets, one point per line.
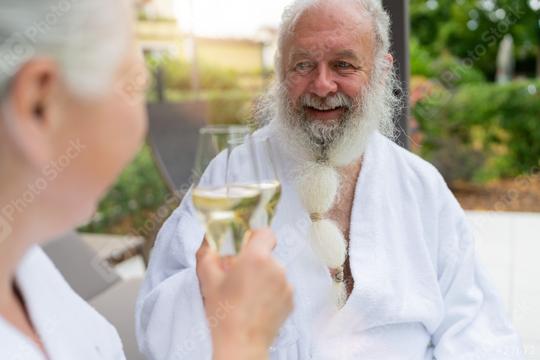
[84, 271]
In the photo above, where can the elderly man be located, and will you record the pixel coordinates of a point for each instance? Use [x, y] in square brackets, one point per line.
[378, 250]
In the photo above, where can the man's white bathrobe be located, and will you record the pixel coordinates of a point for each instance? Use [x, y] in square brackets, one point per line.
[68, 327]
[419, 292]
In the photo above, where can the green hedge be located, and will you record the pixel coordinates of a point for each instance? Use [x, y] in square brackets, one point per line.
[230, 107]
[446, 69]
[137, 195]
[177, 74]
[482, 131]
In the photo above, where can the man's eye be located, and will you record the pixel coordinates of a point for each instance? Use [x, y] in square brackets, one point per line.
[342, 65]
[303, 66]
[345, 67]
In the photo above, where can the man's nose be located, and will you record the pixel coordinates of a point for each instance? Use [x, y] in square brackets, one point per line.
[324, 84]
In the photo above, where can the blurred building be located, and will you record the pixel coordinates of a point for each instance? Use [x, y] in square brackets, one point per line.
[241, 55]
[155, 8]
[159, 33]
[160, 36]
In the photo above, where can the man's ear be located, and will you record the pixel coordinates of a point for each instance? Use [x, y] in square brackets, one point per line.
[389, 60]
[30, 110]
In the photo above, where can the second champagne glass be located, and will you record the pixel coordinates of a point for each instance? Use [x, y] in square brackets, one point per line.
[267, 181]
[224, 205]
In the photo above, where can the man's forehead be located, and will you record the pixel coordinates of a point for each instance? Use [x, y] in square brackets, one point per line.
[325, 29]
[333, 16]
[319, 45]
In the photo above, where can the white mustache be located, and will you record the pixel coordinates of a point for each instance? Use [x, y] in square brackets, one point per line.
[328, 103]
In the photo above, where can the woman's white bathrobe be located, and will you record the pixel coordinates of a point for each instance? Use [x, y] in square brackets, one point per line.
[68, 327]
[419, 292]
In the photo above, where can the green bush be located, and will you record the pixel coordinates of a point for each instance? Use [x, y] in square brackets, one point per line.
[446, 69]
[231, 107]
[420, 59]
[452, 72]
[177, 74]
[138, 193]
[213, 78]
[482, 131]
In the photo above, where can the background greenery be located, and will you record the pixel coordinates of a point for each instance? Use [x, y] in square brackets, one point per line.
[481, 131]
[471, 128]
[472, 29]
[139, 192]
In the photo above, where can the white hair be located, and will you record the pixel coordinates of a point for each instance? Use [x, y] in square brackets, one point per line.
[373, 8]
[87, 39]
[382, 101]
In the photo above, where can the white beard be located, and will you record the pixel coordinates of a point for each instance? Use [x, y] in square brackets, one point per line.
[321, 148]
[338, 142]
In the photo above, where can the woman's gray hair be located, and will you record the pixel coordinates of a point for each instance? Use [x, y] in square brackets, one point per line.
[87, 38]
[373, 8]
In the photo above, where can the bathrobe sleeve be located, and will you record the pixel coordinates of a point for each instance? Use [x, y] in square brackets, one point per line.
[170, 317]
[474, 324]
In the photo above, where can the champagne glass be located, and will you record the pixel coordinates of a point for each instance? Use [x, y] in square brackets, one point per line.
[224, 205]
[268, 182]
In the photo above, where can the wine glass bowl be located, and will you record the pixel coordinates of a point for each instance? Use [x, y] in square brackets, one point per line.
[224, 204]
[268, 182]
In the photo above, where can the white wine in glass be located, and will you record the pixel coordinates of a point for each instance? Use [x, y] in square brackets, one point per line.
[270, 195]
[267, 182]
[226, 212]
[224, 206]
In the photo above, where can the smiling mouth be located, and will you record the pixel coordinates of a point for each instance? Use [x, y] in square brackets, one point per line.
[325, 113]
[325, 109]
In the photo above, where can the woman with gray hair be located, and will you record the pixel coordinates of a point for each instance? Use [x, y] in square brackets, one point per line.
[70, 120]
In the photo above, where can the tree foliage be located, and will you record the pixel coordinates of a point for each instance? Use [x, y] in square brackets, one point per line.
[473, 29]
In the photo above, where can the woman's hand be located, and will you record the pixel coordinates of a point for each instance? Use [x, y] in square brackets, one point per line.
[246, 304]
